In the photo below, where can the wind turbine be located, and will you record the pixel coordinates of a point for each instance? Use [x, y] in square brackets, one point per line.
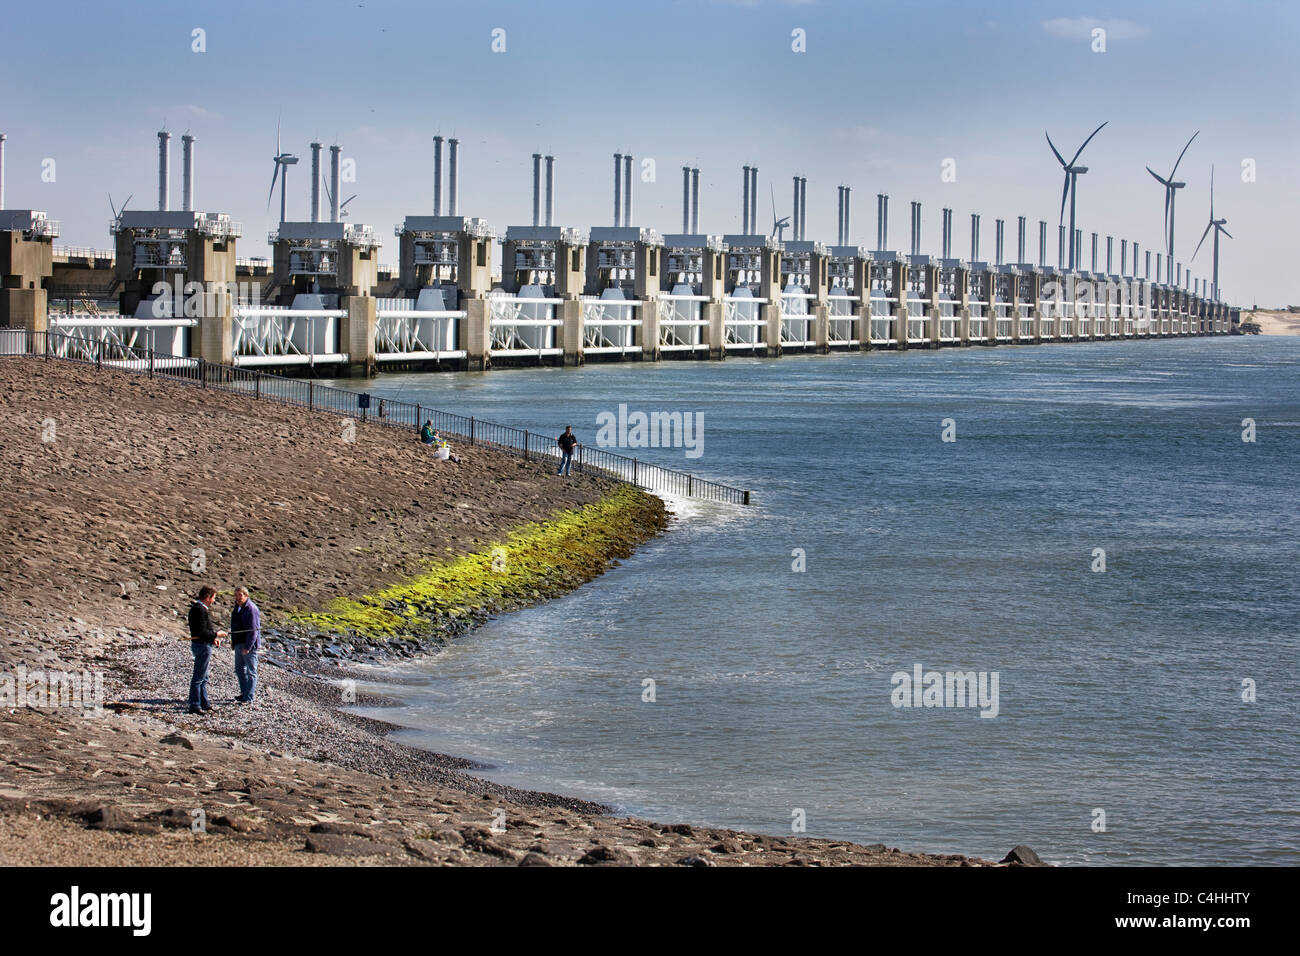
[343, 206]
[280, 159]
[1217, 225]
[778, 225]
[117, 213]
[1072, 174]
[1171, 194]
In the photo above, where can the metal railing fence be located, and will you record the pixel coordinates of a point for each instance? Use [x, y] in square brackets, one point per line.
[267, 386]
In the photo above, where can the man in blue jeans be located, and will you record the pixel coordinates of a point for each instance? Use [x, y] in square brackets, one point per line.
[203, 637]
[567, 442]
[245, 638]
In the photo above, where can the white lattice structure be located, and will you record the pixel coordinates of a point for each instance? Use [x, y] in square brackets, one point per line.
[840, 321]
[610, 324]
[408, 330]
[978, 298]
[1003, 304]
[305, 334]
[742, 323]
[796, 320]
[523, 325]
[681, 322]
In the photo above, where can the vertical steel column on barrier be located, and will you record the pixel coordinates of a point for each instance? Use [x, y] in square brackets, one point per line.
[525, 445]
[311, 389]
[471, 429]
[257, 384]
[580, 450]
[634, 471]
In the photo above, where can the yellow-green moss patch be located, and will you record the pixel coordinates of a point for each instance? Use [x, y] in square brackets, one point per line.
[536, 561]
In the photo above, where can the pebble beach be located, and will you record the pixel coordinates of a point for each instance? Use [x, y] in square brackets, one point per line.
[128, 493]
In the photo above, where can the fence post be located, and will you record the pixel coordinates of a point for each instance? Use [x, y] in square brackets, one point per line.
[418, 414]
[151, 355]
[203, 373]
[311, 394]
[690, 485]
[471, 429]
[580, 468]
[634, 471]
[257, 384]
[525, 444]
[99, 355]
[746, 497]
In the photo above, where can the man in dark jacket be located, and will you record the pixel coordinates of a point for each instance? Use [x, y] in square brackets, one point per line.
[567, 442]
[203, 637]
[245, 638]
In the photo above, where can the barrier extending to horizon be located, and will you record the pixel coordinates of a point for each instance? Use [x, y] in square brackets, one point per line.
[567, 296]
[266, 386]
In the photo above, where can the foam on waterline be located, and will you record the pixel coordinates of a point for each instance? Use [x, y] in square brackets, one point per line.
[712, 513]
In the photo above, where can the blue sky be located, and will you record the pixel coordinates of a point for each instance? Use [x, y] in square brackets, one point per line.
[882, 96]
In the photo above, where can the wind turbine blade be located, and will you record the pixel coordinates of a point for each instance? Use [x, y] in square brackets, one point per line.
[1180, 155]
[271, 194]
[1065, 195]
[1059, 158]
[1203, 235]
[1162, 182]
[1086, 142]
[1225, 232]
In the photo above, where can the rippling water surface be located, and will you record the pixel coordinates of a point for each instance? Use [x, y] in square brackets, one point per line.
[1118, 691]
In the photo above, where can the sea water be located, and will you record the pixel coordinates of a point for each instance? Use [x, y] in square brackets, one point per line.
[1095, 533]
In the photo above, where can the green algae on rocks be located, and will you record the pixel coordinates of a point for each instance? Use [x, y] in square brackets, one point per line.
[537, 561]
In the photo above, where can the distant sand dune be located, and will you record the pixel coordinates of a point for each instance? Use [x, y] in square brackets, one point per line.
[1274, 323]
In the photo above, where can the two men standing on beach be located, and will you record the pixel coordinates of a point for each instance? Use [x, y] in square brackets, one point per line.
[245, 637]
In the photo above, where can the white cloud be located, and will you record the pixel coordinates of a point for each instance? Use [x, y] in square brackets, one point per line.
[191, 111]
[1080, 28]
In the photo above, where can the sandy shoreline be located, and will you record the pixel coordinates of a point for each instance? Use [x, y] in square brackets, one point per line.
[99, 534]
[1273, 322]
